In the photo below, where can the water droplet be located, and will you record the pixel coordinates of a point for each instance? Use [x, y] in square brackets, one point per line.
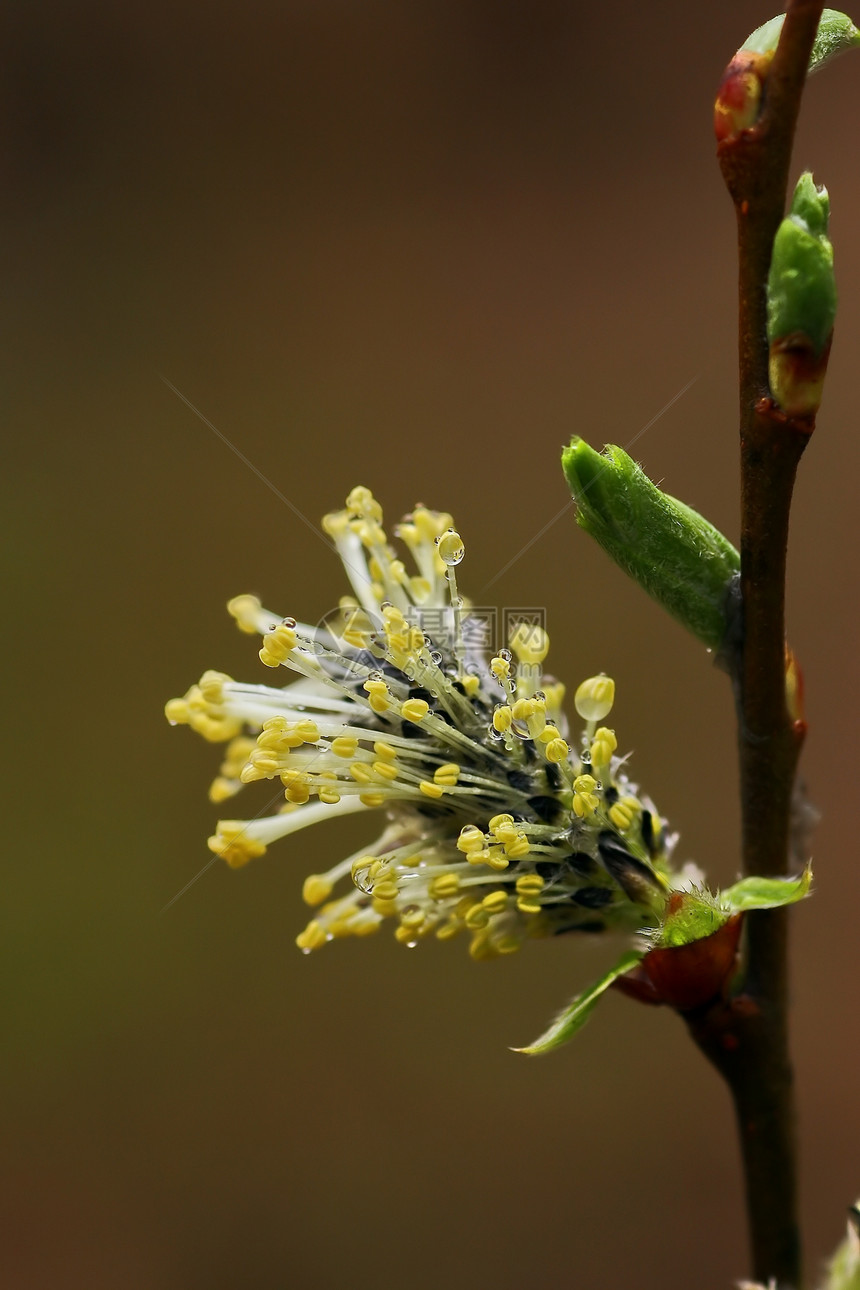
[289, 622]
[506, 655]
[450, 547]
[435, 657]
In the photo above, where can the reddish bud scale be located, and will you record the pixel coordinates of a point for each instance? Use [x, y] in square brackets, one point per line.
[794, 689]
[738, 101]
[686, 976]
[796, 374]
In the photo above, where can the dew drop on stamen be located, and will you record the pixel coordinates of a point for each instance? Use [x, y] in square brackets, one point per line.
[450, 547]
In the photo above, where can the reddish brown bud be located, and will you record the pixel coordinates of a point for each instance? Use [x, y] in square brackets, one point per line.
[794, 688]
[686, 976]
[739, 97]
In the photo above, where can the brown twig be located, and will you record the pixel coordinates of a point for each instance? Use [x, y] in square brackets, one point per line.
[747, 1037]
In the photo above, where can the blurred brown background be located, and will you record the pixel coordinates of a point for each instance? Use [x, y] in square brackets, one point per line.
[414, 246]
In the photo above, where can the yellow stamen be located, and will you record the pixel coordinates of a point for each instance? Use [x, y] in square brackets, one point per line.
[447, 775]
[246, 610]
[502, 718]
[530, 643]
[232, 843]
[312, 938]
[414, 710]
[594, 698]
[316, 889]
[445, 886]
[529, 884]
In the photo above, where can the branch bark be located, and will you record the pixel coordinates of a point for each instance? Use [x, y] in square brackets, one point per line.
[747, 1037]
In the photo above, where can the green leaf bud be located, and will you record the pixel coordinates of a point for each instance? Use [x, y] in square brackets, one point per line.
[801, 301]
[836, 34]
[681, 560]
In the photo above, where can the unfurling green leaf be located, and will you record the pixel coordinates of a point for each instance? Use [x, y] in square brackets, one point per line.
[801, 301]
[836, 34]
[689, 958]
[766, 893]
[674, 554]
[574, 1016]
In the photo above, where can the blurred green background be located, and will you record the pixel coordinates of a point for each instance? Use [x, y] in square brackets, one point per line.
[411, 245]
